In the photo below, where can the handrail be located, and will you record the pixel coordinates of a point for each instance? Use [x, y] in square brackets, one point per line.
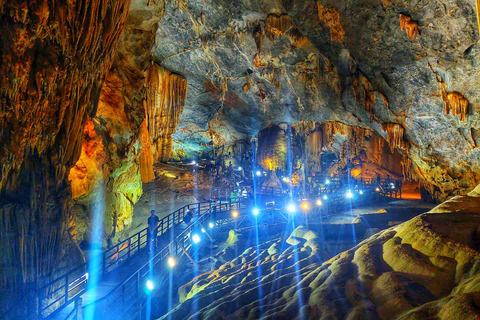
[64, 291]
[60, 289]
[174, 248]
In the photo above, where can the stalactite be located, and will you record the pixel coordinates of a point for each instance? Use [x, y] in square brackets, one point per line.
[331, 18]
[258, 35]
[454, 101]
[146, 155]
[259, 62]
[330, 129]
[408, 170]
[395, 133]
[362, 84]
[166, 94]
[57, 56]
[276, 26]
[410, 26]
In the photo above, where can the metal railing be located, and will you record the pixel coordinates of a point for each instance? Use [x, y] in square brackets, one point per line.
[65, 289]
[113, 306]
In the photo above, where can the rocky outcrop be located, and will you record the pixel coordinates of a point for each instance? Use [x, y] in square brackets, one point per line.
[112, 174]
[54, 59]
[426, 266]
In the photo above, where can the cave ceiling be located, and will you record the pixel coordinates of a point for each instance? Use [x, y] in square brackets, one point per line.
[253, 63]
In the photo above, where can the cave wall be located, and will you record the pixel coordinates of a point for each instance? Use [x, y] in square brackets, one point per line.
[358, 151]
[53, 63]
[112, 170]
[405, 70]
[422, 59]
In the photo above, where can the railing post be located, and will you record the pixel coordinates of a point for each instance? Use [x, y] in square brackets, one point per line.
[138, 241]
[78, 309]
[129, 247]
[66, 289]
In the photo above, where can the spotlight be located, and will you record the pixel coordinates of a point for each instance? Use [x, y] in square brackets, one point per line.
[171, 262]
[149, 285]
[327, 181]
[235, 214]
[361, 192]
[211, 225]
[256, 211]
[305, 206]
[349, 194]
[196, 238]
[258, 173]
[319, 202]
[291, 208]
[325, 197]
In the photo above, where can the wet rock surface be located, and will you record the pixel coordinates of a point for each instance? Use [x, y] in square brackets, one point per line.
[425, 266]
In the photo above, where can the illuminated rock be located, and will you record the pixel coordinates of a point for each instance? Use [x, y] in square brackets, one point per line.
[427, 265]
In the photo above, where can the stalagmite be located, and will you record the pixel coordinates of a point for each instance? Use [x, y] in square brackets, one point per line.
[410, 26]
[166, 94]
[395, 133]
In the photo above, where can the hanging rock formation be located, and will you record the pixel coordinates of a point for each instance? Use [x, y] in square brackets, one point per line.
[165, 100]
[54, 59]
[116, 179]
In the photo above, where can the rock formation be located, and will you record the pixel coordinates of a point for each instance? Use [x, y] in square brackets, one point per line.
[120, 113]
[54, 58]
[421, 268]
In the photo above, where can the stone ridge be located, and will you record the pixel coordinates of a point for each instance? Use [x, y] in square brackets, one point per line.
[428, 265]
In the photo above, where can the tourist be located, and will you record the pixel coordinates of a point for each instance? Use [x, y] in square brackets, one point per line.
[188, 217]
[153, 222]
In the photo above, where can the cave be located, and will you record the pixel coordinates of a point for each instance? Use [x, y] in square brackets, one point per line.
[217, 159]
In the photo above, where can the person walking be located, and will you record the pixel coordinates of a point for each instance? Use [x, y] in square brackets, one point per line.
[153, 222]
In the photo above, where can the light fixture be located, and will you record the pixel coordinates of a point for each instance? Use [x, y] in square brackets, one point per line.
[235, 214]
[203, 230]
[349, 194]
[149, 285]
[377, 189]
[291, 208]
[319, 202]
[325, 197]
[361, 192]
[196, 238]
[211, 225]
[256, 211]
[171, 262]
[327, 181]
[305, 206]
[239, 168]
[194, 162]
[258, 173]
